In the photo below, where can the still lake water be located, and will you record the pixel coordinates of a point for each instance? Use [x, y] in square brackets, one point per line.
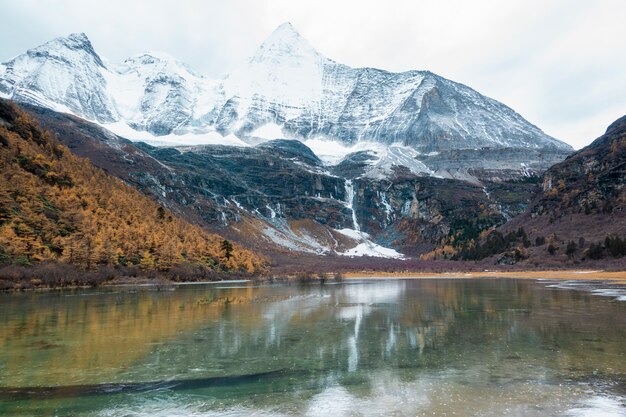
[394, 347]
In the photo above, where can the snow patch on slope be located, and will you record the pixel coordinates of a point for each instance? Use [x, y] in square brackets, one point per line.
[206, 138]
[396, 156]
[383, 157]
[269, 131]
[373, 250]
[304, 242]
[331, 152]
[367, 247]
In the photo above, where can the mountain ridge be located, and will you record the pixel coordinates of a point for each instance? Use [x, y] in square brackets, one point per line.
[286, 83]
[416, 155]
[279, 199]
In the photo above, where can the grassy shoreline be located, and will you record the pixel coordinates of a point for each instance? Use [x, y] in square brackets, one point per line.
[65, 276]
[71, 278]
[573, 274]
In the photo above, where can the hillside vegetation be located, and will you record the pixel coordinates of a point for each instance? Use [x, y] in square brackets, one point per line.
[579, 213]
[57, 207]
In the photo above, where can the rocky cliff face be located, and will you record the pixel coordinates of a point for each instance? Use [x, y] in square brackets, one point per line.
[591, 180]
[375, 160]
[278, 196]
[580, 203]
[285, 90]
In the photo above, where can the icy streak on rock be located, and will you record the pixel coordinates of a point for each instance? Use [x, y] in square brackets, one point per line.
[350, 204]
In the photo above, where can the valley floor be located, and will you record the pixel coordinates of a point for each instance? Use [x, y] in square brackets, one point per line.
[587, 275]
[304, 270]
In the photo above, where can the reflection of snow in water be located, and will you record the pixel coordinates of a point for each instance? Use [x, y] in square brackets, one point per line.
[600, 407]
[370, 294]
[618, 293]
[391, 340]
[401, 391]
[357, 322]
[388, 397]
[603, 289]
[278, 314]
[354, 313]
[417, 339]
[363, 296]
[284, 310]
[353, 354]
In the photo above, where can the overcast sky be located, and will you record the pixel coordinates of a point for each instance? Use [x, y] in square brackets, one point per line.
[561, 64]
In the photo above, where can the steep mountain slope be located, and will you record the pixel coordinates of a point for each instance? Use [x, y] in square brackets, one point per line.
[285, 90]
[156, 93]
[278, 197]
[65, 74]
[578, 214]
[55, 206]
[376, 161]
[290, 84]
[584, 196]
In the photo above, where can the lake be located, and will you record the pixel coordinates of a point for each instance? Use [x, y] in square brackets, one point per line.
[488, 347]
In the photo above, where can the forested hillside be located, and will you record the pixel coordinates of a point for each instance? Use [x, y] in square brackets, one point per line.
[55, 206]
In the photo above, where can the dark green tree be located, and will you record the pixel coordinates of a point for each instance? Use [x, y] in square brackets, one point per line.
[227, 248]
[570, 249]
[595, 251]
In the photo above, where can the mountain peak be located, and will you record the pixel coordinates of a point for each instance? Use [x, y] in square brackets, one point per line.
[74, 42]
[161, 61]
[79, 37]
[286, 27]
[152, 57]
[285, 41]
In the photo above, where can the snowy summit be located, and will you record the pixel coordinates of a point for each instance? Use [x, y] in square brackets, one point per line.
[285, 90]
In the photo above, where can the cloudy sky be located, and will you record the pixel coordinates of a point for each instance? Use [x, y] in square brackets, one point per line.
[560, 63]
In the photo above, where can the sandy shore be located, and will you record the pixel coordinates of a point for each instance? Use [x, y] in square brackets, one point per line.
[618, 277]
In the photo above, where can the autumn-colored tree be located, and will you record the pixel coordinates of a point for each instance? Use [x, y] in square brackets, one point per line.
[55, 206]
[147, 261]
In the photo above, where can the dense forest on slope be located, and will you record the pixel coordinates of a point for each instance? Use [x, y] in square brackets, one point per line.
[57, 207]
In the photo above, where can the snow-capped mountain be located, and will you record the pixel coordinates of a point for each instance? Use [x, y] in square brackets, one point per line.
[289, 84]
[65, 74]
[156, 93]
[279, 196]
[285, 90]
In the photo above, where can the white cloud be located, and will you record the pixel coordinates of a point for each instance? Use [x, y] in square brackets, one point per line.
[559, 63]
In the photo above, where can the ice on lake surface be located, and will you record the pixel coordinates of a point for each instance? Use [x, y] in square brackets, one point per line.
[488, 347]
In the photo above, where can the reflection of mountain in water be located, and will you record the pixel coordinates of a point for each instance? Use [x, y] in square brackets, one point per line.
[358, 344]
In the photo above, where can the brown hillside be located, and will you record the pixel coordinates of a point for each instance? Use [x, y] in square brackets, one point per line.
[583, 196]
[55, 206]
[578, 214]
